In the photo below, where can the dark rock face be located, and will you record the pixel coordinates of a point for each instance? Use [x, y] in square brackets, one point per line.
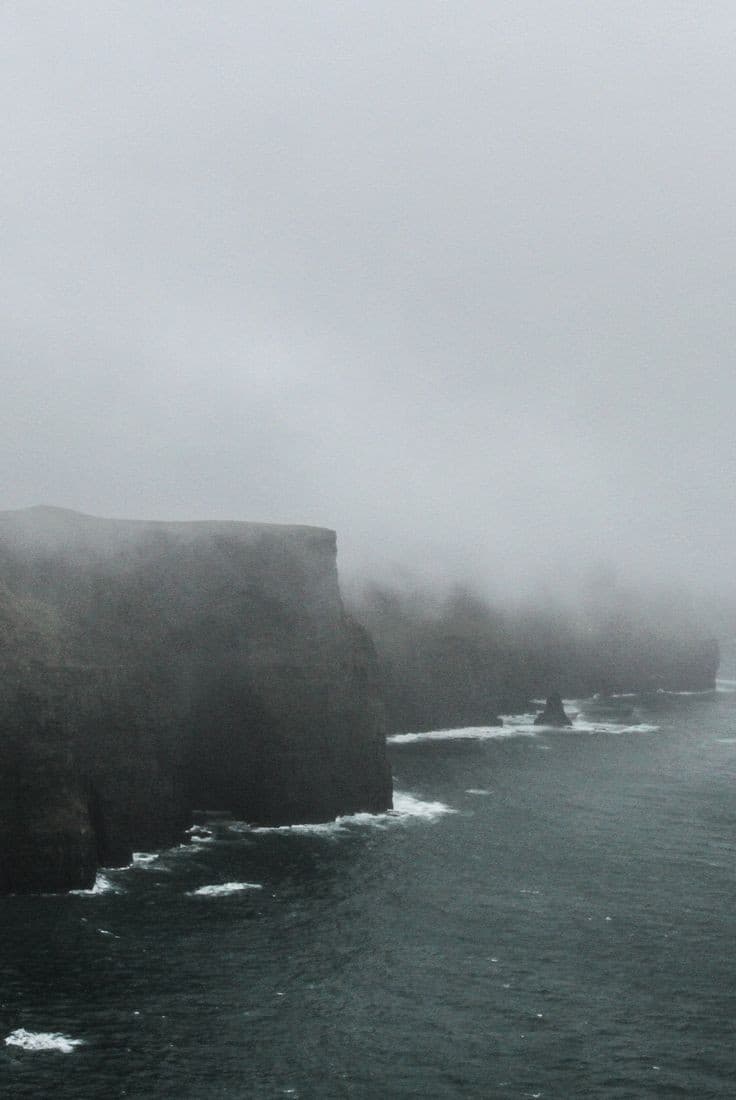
[46, 838]
[437, 671]
[459, 660]
[151, 669]
[553, 713]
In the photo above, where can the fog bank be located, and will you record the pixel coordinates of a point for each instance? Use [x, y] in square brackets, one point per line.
[451, 279]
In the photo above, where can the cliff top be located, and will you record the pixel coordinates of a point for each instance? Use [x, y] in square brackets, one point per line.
[52, 529]
[102, 591]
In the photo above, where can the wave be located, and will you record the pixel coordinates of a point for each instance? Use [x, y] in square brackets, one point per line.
[223, 889]
[199, 834]
[144, 859]
[102, 885]
[581, 725]
[42, 1040]
[406, 808]
[705, 692]
[466, 733]
[520, 725]
[141, 861]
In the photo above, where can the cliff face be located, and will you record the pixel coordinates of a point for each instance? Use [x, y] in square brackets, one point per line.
[151, 669]
[461, 662]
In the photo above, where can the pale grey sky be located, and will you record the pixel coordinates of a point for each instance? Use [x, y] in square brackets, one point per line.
[454, 278]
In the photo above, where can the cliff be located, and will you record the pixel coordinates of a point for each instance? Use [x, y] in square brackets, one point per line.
[150, 669]
[459, 661]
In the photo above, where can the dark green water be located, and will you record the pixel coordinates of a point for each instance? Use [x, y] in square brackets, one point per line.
[568, 933]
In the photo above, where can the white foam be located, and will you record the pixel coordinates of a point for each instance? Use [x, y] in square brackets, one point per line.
[406, 807]
[102, 885]
[466, 733]
[143, 859]
[42, 1040]
[521, 725]
[476, 790]
[222, 889]
[583, 726]
[703, 691]
[323, 828]
[318, 828]
[524, 724]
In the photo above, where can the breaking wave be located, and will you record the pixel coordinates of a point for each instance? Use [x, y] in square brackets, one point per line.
[581, 725]
[406, 807]
[702, 691]
[144, 859]
[42, 1040]
[466, 733]
[520, 725]
[102, 885]
[223, 889]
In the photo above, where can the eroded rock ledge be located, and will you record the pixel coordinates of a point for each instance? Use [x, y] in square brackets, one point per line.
[149, 669]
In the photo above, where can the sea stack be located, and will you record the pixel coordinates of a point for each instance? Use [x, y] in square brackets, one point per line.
[150, 669]
[553, 713]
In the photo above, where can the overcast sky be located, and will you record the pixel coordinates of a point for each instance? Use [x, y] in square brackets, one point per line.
[456, 279]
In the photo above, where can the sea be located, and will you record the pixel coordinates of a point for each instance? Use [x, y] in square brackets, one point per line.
[544, 914]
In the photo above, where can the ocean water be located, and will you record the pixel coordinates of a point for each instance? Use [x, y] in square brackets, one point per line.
[547, 914]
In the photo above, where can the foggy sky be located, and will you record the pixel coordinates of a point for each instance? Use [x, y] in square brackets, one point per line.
[456, 279]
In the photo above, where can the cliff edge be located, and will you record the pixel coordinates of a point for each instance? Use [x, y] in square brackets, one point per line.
[150, 669]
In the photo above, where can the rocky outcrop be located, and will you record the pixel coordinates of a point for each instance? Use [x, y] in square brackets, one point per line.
[152, 669]
[553, 713]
